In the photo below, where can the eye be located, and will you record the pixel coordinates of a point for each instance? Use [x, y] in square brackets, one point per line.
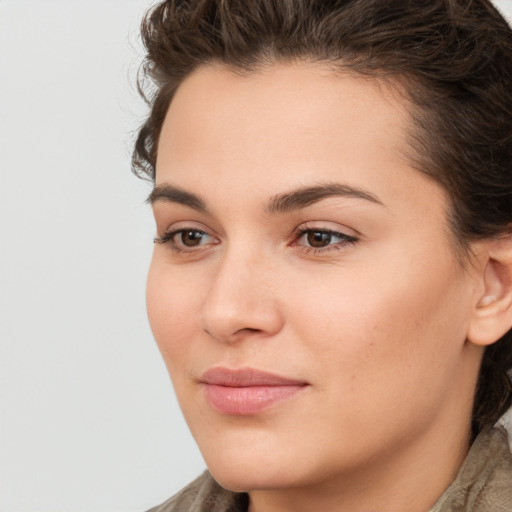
[186, 239]
[190, 237]
[322, 239]
[318, 238]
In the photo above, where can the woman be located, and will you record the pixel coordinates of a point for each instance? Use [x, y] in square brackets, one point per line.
[331, 285]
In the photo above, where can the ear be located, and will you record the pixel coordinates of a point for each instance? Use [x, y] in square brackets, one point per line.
[492, 314]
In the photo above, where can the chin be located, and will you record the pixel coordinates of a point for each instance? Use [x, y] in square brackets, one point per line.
[241, 472]
[247, 477]
[246, 460]
[263, 462]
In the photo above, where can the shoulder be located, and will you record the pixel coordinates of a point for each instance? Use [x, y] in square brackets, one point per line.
[204, 494]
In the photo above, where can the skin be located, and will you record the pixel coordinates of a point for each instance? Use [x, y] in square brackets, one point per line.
[378, 327]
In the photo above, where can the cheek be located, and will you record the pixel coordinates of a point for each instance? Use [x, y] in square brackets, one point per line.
[382, 327]
[171, 305]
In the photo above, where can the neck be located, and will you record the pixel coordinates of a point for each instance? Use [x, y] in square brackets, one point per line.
[407, 478]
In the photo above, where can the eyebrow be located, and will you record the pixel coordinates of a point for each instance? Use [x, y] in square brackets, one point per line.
[306, 196]
[280, 203]
[176, 195]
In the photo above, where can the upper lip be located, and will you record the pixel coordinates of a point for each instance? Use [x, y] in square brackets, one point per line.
[246, 377]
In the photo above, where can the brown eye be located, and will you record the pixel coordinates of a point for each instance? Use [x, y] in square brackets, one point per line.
[191, 237]
[187, 240]
[318, 238]
[323, 240]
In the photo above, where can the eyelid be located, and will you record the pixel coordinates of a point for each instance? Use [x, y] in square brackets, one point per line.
[347, 239]
[329, 226]
[170, 234]
[167, 237]
[166, 227]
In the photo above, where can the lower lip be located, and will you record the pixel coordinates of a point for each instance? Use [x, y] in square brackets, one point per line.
[244, 401]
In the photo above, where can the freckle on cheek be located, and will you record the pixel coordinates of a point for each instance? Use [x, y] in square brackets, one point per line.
[352, 383]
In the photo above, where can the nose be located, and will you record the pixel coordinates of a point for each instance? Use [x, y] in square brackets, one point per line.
[242, 300]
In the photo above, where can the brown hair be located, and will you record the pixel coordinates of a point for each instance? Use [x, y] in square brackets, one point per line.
[453, 58]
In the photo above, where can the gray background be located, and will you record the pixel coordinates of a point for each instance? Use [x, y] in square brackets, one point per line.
[88, 421]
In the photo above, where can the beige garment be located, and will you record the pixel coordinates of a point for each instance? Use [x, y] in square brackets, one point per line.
[484, 484]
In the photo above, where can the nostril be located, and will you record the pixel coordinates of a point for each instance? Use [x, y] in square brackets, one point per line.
[246, 331]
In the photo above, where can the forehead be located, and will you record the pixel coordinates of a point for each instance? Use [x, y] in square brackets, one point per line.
[293, 112]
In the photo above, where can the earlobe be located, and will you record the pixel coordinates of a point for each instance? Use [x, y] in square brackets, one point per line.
[492, 315]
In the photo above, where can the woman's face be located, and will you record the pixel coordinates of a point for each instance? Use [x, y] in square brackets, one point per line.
[305, 296]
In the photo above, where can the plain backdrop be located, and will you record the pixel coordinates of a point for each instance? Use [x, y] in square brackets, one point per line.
[88, 420]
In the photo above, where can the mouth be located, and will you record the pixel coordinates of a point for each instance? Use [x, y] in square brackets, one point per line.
[246, 391]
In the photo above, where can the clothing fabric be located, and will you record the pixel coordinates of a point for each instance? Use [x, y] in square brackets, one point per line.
[483, 484]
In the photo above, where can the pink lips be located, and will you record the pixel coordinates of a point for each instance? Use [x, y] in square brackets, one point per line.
[246, 391]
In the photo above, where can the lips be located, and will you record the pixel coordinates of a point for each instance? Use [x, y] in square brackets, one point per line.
[246, 391]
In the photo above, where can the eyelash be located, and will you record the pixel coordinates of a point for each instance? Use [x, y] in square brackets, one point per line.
[345, 240]
[168, 238]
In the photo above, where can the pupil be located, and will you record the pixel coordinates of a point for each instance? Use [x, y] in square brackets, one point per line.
[318, 239]
[191, 238]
